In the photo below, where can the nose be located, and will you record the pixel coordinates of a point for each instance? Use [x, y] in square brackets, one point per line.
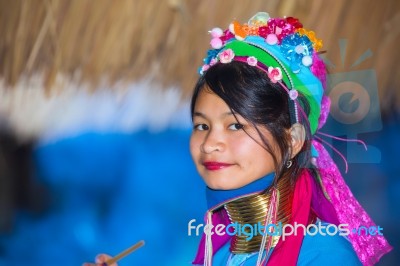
[212, 142]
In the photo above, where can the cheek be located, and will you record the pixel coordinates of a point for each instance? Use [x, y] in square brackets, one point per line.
[252, 153]
[244, 147]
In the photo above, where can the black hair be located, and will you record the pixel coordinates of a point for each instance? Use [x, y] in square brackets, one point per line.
[249, 92]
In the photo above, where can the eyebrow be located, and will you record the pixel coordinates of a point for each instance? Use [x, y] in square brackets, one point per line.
[205, 117]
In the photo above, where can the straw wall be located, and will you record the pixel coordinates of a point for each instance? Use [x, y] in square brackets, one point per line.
[165, 40]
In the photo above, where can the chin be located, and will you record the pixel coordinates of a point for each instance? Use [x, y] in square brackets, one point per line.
[217, 187]
[221, 185]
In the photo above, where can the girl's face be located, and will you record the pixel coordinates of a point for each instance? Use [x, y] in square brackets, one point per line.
[225, 156]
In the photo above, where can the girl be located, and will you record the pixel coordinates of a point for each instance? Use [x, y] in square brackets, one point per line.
[256, 110]
[275, 196]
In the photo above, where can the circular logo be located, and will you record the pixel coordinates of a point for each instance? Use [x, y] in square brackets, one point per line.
[358, 93]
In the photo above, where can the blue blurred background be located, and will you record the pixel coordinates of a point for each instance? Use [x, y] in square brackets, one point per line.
[103, 192]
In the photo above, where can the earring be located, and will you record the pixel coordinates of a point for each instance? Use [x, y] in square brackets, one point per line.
[289, 163]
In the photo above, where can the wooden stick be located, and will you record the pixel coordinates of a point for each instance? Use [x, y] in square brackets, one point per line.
[125, 252]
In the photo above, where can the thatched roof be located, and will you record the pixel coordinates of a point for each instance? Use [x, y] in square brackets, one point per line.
[166, 40]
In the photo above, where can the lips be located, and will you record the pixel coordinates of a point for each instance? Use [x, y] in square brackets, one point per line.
[216, 165]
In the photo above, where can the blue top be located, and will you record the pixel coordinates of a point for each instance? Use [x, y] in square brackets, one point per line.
[315, 250]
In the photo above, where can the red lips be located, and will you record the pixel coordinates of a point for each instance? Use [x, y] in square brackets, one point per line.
[216, 165]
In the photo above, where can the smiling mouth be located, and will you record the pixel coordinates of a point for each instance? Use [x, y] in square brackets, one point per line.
[213, 166]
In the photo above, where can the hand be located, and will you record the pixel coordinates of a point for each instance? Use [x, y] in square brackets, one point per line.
[100, 260]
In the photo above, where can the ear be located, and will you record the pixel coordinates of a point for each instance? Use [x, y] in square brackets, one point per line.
[298, 136]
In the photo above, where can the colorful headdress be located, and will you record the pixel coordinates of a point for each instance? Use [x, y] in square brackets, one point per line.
[288, 54]
[282, 48]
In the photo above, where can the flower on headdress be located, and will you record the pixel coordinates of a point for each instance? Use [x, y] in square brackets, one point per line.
[203, 69]
[274, 74]
[293, 94]
[211, 54]
[280, 28]
[294, 22]
[226, 56]
[295, 48]
[252, 31]
[263, 31]
[226, 36]
[240, 31]
[252, 61]
[316, 43]
[213, 61]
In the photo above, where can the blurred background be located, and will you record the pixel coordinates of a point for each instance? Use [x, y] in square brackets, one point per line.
[94, 120]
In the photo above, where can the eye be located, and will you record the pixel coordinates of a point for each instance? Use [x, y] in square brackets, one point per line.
[235, 126]
[201, 127]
